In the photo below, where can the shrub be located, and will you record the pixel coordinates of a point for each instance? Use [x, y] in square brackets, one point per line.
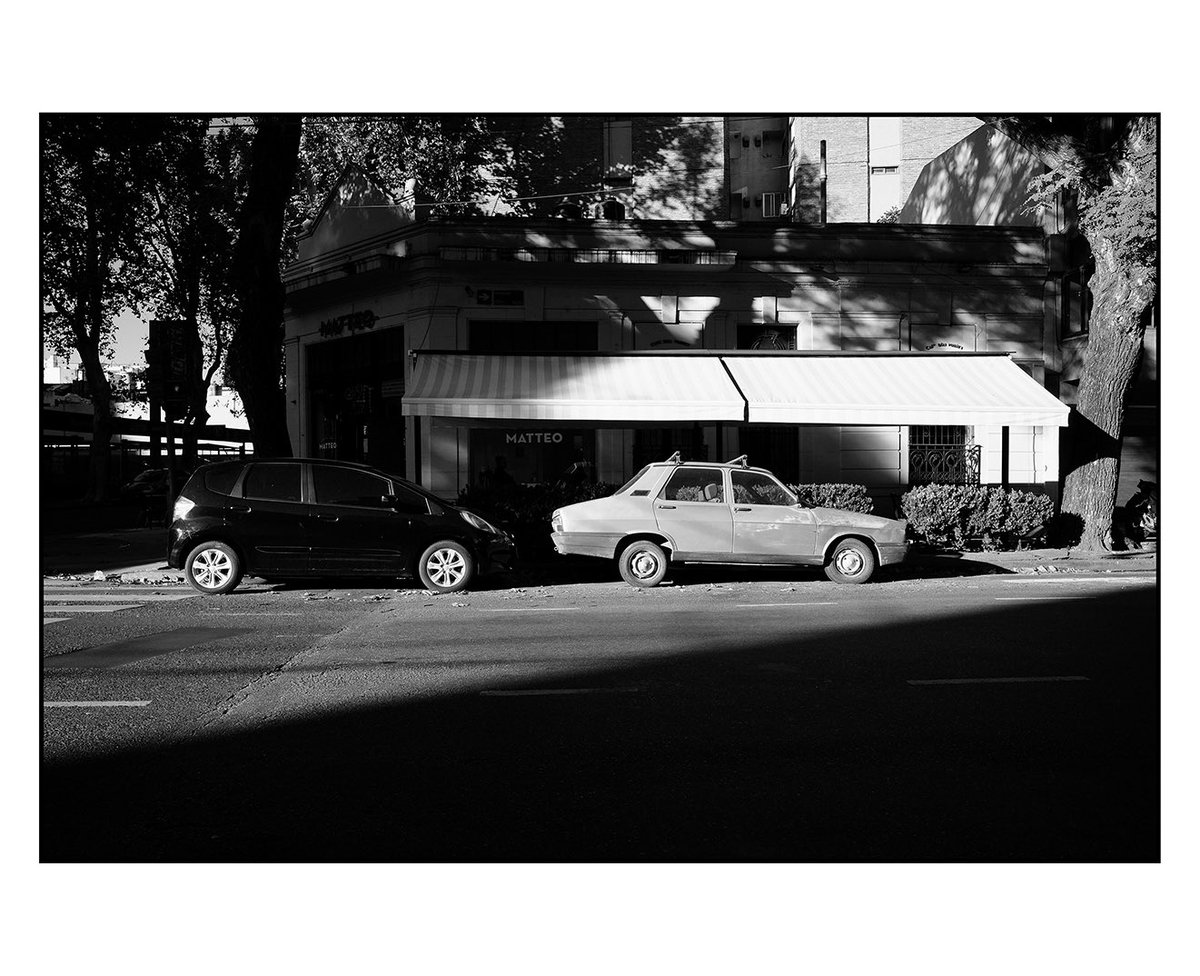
[852, 498]
[952, 514]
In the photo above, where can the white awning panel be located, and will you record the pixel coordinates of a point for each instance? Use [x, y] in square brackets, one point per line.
[955, 389]
[625, 388]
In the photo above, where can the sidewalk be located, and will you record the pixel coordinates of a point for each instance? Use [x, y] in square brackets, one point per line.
[141, 554]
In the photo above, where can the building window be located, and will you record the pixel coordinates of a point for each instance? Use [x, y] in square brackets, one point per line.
[772, 143]
[658, 444]
[772, 204]
[1077, 300]
[942, 455]
[618, 151]
[766, 337]
[505, 337]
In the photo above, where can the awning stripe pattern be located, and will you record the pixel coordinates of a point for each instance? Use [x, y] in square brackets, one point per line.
[613, 388]
[964, 389]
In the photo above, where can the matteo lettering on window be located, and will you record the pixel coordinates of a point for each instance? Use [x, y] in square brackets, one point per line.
[534, 438]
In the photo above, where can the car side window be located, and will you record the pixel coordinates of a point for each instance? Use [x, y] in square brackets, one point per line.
[345, 486]
[695, 485]
[752, 488]
[409, 501]
[274, 482]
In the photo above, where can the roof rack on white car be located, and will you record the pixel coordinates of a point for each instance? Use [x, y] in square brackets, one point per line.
[674, 459]
[742, 459]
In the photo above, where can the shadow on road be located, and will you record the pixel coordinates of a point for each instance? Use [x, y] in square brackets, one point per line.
[812, 748]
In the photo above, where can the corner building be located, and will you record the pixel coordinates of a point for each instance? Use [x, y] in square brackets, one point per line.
[447, 349]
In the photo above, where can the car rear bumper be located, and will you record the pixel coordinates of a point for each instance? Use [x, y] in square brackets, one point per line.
[891, 553]
[586, 543]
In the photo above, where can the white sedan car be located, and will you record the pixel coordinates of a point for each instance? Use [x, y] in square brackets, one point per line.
[698, 512]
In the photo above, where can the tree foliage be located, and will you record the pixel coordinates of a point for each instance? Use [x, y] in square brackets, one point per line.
[95, 181]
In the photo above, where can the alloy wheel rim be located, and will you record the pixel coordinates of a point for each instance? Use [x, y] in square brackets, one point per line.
[849, 562]
[644, 565]
[212, 568]
[446, 567]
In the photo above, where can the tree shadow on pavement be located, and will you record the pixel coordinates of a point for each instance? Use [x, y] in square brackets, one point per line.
[812, 747]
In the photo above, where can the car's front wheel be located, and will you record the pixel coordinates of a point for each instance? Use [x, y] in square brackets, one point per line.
[446, 567]
[851, 561]
[213, 568]
[643, 563]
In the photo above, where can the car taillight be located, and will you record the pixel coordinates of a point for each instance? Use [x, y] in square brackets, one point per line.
[182, 507]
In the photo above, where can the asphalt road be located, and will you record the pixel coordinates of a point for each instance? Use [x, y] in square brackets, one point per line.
[733, 717]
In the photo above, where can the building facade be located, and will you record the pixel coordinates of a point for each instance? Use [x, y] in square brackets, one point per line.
[410, 341]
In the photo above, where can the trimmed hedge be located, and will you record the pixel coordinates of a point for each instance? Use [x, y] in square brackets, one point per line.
[852, 498]
[950, 515]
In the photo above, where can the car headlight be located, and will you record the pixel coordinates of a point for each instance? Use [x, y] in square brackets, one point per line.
[483, 525]
[556, 521]
[182, 507]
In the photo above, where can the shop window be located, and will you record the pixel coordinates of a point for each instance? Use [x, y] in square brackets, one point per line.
[943, 455]
[772, 446]
[658, 444]
[273, 482]
[345, 486]
[502, 457]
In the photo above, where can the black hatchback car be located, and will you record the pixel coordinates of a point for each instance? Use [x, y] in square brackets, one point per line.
[294, 518]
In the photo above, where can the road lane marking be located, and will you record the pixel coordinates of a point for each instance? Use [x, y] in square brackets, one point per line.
[55, 620]
[748, 605]
[252, 613]
[95, 704]
[64, 608]
[522, 692]
[59, 596]
[999, 599]
[996, 681]
[525, 609]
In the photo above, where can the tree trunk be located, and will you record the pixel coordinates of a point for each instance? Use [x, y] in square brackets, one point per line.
[1114, 351]
[256, 351]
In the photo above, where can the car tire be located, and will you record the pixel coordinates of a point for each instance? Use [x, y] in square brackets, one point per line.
[446, 567]
[851, 561]
[213, 568]
[643, 563]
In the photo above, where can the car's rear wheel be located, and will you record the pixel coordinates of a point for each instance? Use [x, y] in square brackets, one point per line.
[851, 561]
[213, 568]
[643, 563]
[446, 567]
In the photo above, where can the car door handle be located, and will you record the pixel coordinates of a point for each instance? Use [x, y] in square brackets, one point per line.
[239, 508]
[666, 506]
[741, 509]
[326, 518]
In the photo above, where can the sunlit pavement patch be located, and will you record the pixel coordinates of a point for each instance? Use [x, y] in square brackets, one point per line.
[95, 704]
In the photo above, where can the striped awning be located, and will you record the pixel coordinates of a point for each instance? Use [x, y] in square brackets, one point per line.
[602, 387]
[961, 389]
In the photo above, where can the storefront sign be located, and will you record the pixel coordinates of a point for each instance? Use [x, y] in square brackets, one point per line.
[351, 322]
[956, 346]
[546, 437]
